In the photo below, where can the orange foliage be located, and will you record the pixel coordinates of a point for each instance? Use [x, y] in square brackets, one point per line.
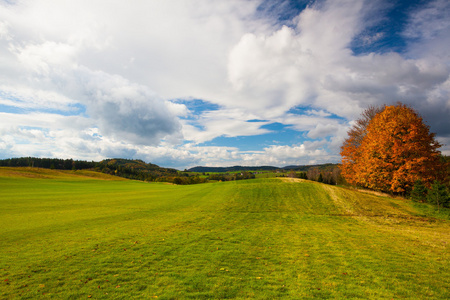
[350, 150]
[396, 150]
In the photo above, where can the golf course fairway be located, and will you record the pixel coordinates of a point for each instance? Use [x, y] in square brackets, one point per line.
[80, 234]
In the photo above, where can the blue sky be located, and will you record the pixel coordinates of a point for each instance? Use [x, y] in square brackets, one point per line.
[182, 83]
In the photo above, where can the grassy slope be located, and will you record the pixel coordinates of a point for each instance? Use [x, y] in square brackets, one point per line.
[72, 235]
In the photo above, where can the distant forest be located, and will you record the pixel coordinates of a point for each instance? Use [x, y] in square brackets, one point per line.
[48, 163]
[231, 169]
[303, 168]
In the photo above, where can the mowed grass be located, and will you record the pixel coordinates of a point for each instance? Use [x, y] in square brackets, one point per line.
[75, 235]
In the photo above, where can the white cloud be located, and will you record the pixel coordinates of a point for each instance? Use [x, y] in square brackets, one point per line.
[224, 122]
[25, 97]
[123, 110]
[40, 58]
[368, 40]
[4, 31]
[316, 126]
[322, 131]
[429, 22]
[320, 113]
[313, 65]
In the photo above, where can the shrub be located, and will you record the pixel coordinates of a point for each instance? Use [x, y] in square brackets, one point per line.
[419, 192]
[438, 195]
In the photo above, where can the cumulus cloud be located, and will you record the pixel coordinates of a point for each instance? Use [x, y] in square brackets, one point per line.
[118, 70]
[122, 109]
[428, 34]
[285, 68]
[312, 64]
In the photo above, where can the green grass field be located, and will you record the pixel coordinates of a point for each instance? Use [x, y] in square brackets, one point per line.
[75, 235]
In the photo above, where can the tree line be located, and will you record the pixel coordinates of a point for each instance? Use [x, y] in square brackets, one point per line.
[329, 174]
[185, 178]
[48, 163]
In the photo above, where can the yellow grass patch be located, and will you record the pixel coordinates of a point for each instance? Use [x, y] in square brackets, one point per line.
[39, 173]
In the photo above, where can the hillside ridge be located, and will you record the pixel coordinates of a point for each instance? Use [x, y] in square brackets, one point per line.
[205, 169]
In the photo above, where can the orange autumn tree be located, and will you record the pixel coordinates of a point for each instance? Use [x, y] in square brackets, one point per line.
[395, 151]
[350, 151]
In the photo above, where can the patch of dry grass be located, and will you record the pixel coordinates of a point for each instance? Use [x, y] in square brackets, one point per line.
[40, 173]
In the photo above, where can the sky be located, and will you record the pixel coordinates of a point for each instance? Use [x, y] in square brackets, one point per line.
[183, 83]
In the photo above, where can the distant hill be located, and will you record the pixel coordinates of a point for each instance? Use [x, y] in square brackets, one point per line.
[136, 164]
[134, 169]
[302, 168]
[231, 169]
